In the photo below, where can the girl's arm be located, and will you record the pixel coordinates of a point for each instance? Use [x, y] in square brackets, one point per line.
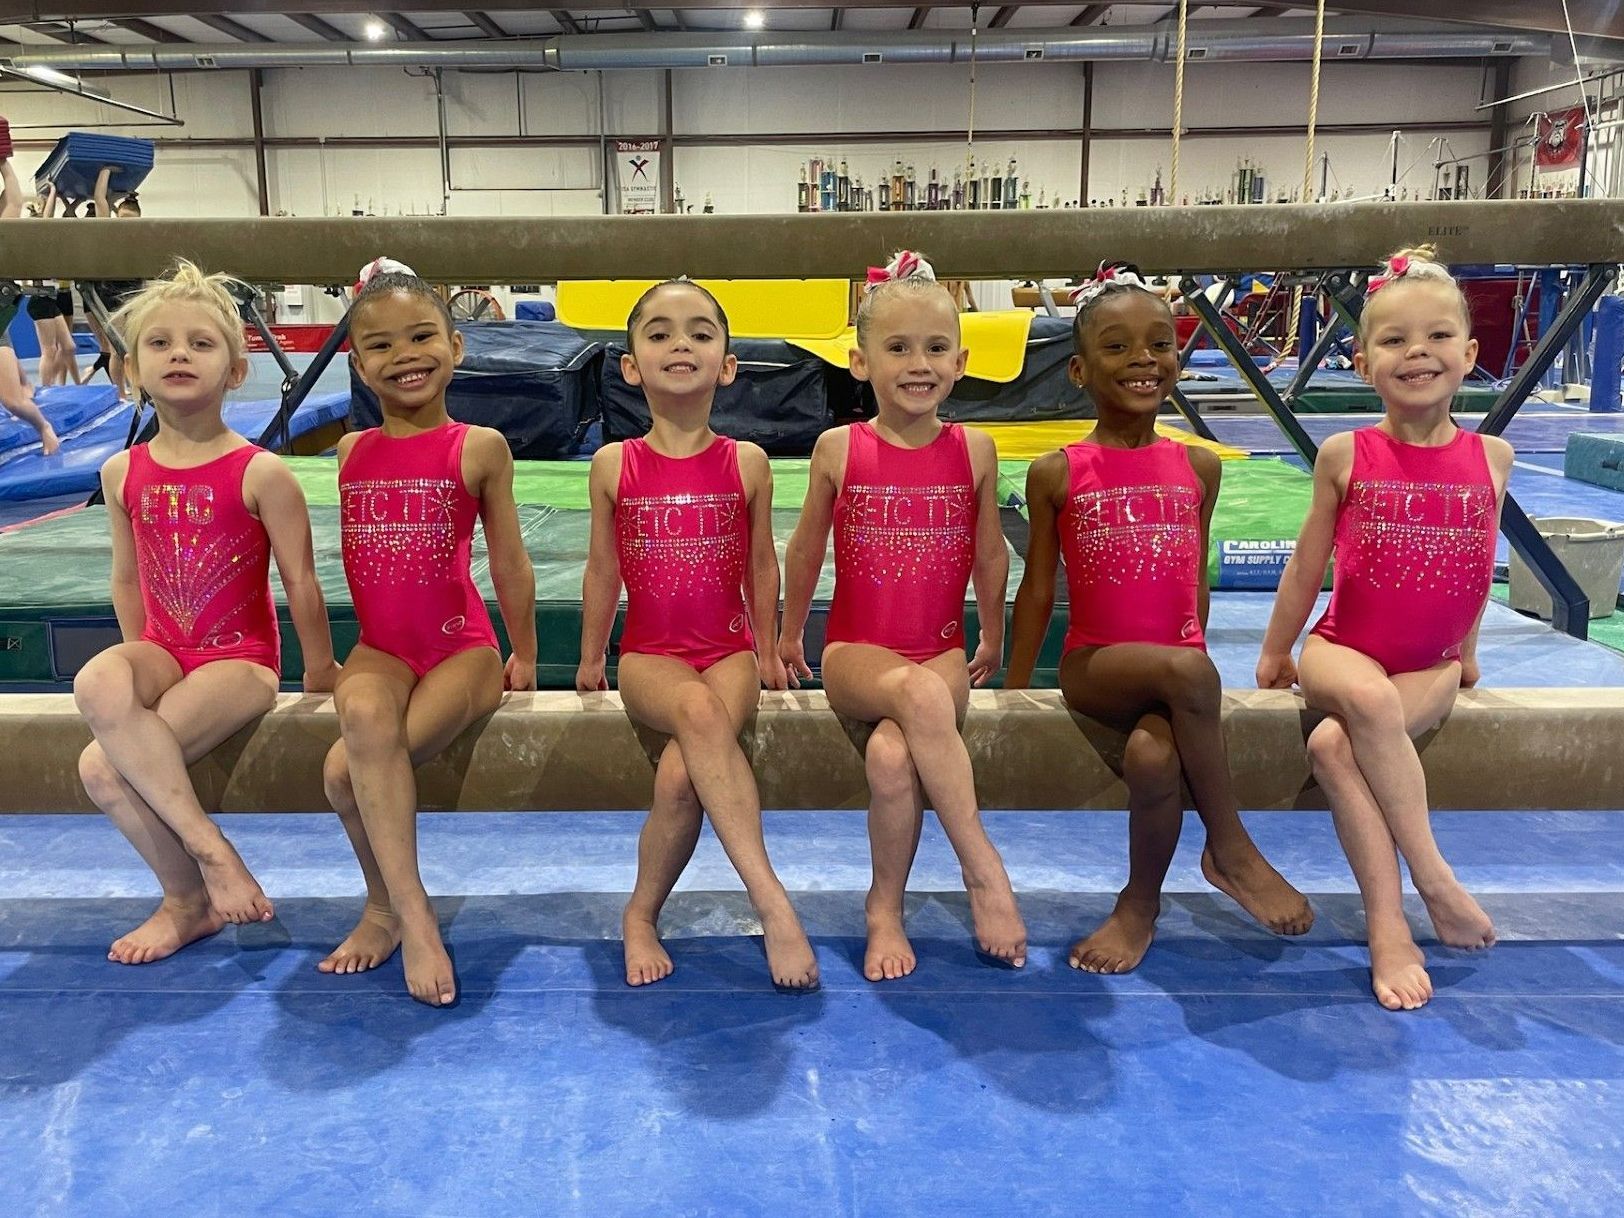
[11, 193]
[1500, 457]
[1210, 470]
[1046, 480]
[127, 607]
[600, 586]
[803, 560]
[761, 572]
[1304, 575]
[511, 572]
[274, 495]
[990, 575]
[104, 209]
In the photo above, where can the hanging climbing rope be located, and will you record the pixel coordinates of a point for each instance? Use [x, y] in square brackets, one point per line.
[1178, 99]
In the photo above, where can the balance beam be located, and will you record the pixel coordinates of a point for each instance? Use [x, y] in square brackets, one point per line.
[961, 245]
[1518, 749]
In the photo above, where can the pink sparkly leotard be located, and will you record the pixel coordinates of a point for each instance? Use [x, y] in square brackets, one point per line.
[905, 543]
[408, 535]
[1130, 533]
[203, 560]
[682, 529]
[1414, 550]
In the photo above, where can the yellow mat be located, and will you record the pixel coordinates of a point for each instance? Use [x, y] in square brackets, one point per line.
[1028, 441]
[756, 308]
[996, 342]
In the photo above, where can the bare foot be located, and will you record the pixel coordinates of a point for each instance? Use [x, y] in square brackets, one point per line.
[1122, 939]
[374, 940]
[1000, 933]
[889, 953]
[1259, 889]
[171, 927]
[1458, 919]
[48, 442]
[429, 976]
[647, 961]
[232, 888]
[789, 953]
[1398, 974]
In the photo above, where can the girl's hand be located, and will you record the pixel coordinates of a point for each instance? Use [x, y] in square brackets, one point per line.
[1470, 673]
[518, 674]
[771, 668]
[986, 662]
[321, 680]
[1276, 671]
[589, 677]
[792, 651]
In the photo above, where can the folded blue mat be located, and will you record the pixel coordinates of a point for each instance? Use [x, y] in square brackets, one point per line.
[80, 156]
[75, 469]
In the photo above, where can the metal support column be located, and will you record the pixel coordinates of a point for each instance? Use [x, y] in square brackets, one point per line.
[1570, 608]
[1248, 369]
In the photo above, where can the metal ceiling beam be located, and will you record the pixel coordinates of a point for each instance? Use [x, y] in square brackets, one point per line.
[835, 18]
[565, 22]
[232, 29]
[72, 35]
[1547, 13]
[918, 19]
[404, 27]
[317, 26]
[486, 26]
[1001, 18]
[146, 29]
[647, 19]
[1091, 14]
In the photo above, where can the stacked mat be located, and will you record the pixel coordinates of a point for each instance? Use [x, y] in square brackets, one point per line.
[80, 156]
[534, 381]
[5, 139]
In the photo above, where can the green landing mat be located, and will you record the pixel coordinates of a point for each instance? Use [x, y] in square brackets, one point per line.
[55, 607]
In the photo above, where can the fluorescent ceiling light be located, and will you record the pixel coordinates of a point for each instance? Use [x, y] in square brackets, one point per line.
[52, 76]
[755, 19]
[376, 30]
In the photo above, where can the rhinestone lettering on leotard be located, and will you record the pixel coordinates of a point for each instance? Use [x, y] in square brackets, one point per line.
[1419, 536]
[675, 543]
[399, 530]
[1130, 534]
[923, 534]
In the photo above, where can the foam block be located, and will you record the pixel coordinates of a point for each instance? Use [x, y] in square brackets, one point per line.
[5, 138]
[1597, 459]
[80, 156]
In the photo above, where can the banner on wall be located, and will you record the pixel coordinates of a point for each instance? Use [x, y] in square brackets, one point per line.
[637, 165]
[1561, 140]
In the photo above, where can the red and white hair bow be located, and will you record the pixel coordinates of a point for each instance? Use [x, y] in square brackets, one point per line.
[1397, 267]
[381, 266]
[905, 265]
[1110, 275]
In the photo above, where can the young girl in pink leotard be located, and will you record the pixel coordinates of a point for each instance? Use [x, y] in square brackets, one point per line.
[684, 517]
[196, 514]
[1410, 508]
[1129, 512]
[427, 664]
[913, 504]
